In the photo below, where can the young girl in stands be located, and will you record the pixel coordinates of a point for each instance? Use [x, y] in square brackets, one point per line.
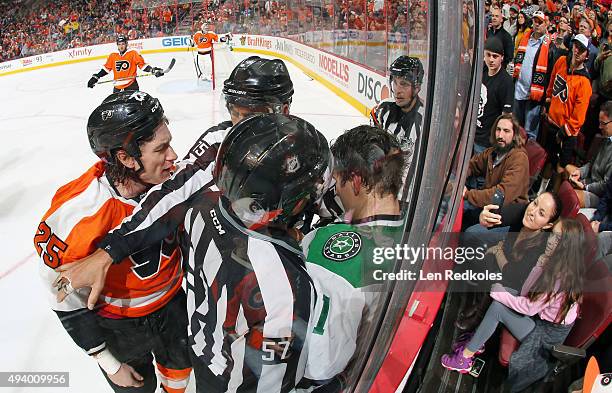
[542, 313]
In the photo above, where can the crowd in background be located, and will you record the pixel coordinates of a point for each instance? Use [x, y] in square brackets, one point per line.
[547, 63]
[47, 26]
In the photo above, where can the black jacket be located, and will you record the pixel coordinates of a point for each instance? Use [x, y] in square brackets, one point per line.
[506, 40]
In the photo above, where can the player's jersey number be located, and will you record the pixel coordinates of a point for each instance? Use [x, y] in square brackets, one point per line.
[48, 245]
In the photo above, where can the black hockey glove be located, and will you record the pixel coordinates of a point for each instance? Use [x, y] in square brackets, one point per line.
[92, 81]
[157, 71]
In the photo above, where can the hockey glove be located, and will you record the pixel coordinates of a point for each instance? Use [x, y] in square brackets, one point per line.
[92, 81]
[157, 72]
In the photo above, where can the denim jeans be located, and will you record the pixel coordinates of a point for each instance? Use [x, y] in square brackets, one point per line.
[527, 113]
[479, 235]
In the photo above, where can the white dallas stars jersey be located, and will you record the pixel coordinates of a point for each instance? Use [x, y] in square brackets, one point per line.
[340, 261]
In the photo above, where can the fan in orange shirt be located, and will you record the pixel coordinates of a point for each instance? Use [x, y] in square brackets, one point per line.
[123, 65]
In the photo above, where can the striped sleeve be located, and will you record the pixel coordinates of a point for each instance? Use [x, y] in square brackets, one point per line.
[161, 212]
[374, 122]
[210, 138]
[282, 359]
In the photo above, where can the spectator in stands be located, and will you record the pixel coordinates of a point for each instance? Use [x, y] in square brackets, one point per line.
[496, 29]
[488, 16]
[562, 39]
[602, 224]
[512, 225]
[523, 27]
[568, 93]
[586, 28]
[510, 25]
[552, 291]
[590, 179]
[167, 15]
[602, 75]
[495, 93]
[505, 167]
[532, 67]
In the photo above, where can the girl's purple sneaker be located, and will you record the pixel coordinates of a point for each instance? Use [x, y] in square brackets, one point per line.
[457, 362]
[462, 342]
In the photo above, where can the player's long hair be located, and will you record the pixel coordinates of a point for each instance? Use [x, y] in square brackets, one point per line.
[119, 173]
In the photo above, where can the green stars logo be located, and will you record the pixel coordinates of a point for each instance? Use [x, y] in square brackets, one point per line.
[342, 246]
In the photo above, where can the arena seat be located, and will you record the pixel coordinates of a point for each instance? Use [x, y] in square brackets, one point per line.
[570, 201]
[537, 158]
[594, 318]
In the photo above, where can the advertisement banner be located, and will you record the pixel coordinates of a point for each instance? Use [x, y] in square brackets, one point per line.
[348, 79]
[93, 52]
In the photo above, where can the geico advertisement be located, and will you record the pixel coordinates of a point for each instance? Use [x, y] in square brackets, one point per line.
[184, 40]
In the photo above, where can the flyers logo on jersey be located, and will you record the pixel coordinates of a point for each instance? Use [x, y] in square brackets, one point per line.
[122, 65]
[560, 88]
[203, 40]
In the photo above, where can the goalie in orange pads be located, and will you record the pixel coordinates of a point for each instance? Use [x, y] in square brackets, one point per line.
[203, 41]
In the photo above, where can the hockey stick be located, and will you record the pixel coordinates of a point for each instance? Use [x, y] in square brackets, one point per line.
[141, 75]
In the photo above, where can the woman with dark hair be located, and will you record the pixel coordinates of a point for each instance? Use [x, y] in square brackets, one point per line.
[523, 26]
[522, 229]
[552, 292]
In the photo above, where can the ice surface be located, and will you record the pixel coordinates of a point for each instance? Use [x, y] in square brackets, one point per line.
[42, 118]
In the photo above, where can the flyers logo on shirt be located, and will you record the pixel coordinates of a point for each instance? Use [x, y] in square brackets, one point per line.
[203, 40]
[560, 88]
[594, 382]
[122, 65]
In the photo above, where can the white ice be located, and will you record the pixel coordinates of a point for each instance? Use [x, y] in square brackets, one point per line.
[42, 121]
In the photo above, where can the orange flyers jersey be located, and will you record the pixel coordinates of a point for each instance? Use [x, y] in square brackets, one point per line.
[203, 41]
[124, 67]
[82, 212]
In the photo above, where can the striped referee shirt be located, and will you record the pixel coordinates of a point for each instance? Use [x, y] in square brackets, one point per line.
[249, 301]
[164, 207]
[406, 126]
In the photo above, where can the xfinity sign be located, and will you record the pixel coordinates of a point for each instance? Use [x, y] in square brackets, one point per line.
[176, 41]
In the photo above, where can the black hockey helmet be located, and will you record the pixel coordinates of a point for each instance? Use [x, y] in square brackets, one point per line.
[271, 166]
[121, 121]
[122, 38]
[407, 67]
[256, 82]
